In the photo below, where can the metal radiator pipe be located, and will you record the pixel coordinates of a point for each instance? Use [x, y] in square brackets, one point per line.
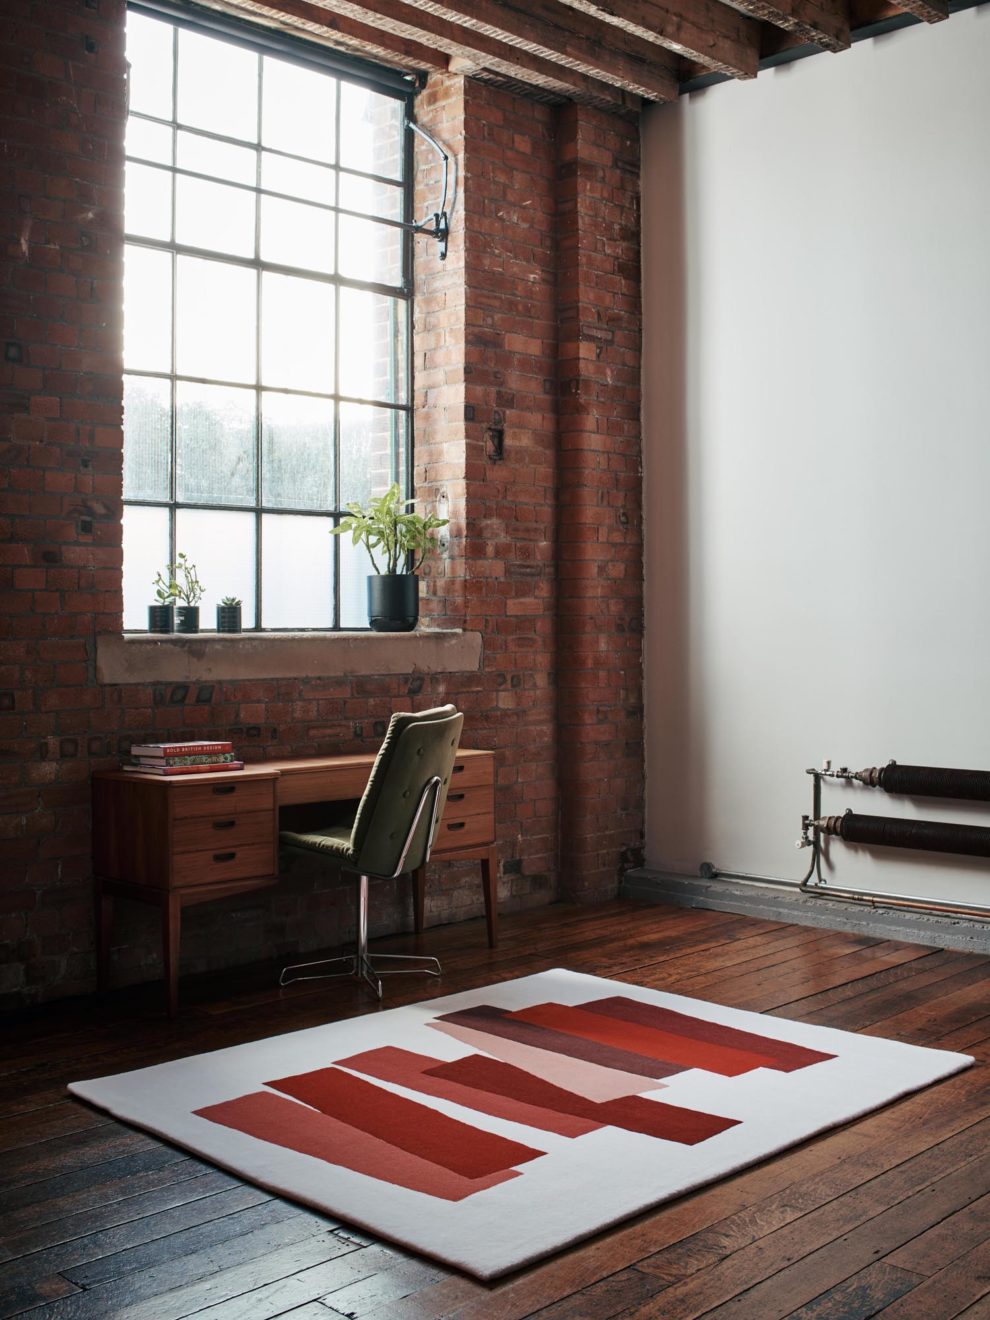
[928, 781]
[891, 832]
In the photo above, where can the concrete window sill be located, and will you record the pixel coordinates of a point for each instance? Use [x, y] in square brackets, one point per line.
[147, 658]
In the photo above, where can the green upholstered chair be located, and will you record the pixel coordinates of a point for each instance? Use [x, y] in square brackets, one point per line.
[390, 833]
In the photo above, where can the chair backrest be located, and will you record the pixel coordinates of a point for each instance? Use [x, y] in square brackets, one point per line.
[417, 746]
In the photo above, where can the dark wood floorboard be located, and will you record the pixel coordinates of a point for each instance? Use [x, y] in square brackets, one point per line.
[888, 1216]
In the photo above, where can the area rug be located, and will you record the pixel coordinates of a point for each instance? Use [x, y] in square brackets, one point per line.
[490, 1128]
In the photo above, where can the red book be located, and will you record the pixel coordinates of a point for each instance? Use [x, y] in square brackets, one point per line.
[180, 749]
[184, 769]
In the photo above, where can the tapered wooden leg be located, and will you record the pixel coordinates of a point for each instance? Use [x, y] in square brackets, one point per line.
[171, 932]
[104, 928]
[419, 898]
[489, 879]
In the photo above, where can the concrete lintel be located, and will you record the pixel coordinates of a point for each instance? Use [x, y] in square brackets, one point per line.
[200, 657]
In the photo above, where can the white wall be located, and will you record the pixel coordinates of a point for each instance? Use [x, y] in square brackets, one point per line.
[817, 442]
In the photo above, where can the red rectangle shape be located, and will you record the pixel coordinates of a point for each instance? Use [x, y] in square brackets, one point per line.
[786, 1057]
[418, 1129]
[408, 1069]
[643, 1040]
[281, 1122]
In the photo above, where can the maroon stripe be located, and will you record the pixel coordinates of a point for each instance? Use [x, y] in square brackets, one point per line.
[652, 1118]
[787, 1057]
[496, 1022]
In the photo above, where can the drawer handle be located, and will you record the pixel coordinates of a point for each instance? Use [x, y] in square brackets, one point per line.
[456, 797]
[224, 788]
[224, 824]
[457, 825]
[224, 857]
[457, 770]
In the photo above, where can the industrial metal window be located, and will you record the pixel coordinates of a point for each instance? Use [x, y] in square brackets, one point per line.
[266, 318]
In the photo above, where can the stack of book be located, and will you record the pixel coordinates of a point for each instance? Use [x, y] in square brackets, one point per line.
[185, 758]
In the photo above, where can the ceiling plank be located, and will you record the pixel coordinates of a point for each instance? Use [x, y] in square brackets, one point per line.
[824, 23]
[337, 31]
[703, 31]
[930, 11]
[549, 29]
[487, 52]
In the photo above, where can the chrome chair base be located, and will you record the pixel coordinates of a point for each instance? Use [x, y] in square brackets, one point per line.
[363, 967]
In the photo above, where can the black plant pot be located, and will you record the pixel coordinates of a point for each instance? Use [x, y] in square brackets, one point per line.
[393, 601]
[187, 619]
[228, 618]
[161, 618]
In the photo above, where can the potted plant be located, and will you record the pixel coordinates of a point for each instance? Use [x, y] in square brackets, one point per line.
[179, 582]
[161, 616]
[397, 541]
[229, 615]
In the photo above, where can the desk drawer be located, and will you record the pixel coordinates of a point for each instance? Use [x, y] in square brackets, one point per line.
[462, 833]
[464, 802]
[222, 798]
[222, 863]
[470, 771]
[223, 831]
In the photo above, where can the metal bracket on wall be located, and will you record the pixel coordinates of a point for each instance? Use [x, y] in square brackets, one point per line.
[438, 225]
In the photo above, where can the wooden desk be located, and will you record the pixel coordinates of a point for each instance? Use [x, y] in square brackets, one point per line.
[177, 840]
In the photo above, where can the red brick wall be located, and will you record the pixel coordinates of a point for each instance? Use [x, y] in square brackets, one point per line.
[495, 348]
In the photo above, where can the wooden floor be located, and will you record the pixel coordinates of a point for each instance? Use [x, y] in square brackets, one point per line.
[888, 1216]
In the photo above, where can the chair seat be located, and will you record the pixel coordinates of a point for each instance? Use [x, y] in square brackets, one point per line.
[331, 840]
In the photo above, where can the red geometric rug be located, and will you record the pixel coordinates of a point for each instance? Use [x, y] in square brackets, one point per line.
[490, 1128]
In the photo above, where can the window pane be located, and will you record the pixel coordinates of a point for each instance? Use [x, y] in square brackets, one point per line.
[280, 174]
[216, 311]
[149, 53]
[148, 201]
[367, 436]
[371, 131]
[149, 140]
[217, 87]
[372, 346]
[145, 554]
[297, 451]
[211, 215]
[296, 333]
[371, 196]
[147, 432]
[147, 309]
[298, 109]
[297, 572]
[370, 252]
[294, 234]
[221, 545]
[355, 566]
[222, 159]
[215, 451]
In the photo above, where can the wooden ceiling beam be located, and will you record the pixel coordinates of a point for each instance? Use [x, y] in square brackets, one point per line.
[483, 51]
[338, 31]
[553, 32]
[703, 31]
[823, 23]
[930, 11]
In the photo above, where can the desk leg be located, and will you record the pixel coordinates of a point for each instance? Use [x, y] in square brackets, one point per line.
[489, 879]
[171, 932]
[419, 898]
[104, 927]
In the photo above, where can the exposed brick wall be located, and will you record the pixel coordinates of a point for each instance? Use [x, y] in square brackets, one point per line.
[494, 340]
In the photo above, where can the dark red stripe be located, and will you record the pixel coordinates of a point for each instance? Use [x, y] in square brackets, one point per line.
[653, 1118]
[643, 1040]
[280, 1122]
[498, 1022]
[413, 1070]
[413, 1127]
[785, 1056]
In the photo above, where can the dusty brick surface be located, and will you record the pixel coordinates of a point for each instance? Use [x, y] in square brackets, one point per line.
[530, 330]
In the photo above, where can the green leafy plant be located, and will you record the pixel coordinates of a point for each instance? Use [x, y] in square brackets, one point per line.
[230, 600]
[179, 581]
[385, 526]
